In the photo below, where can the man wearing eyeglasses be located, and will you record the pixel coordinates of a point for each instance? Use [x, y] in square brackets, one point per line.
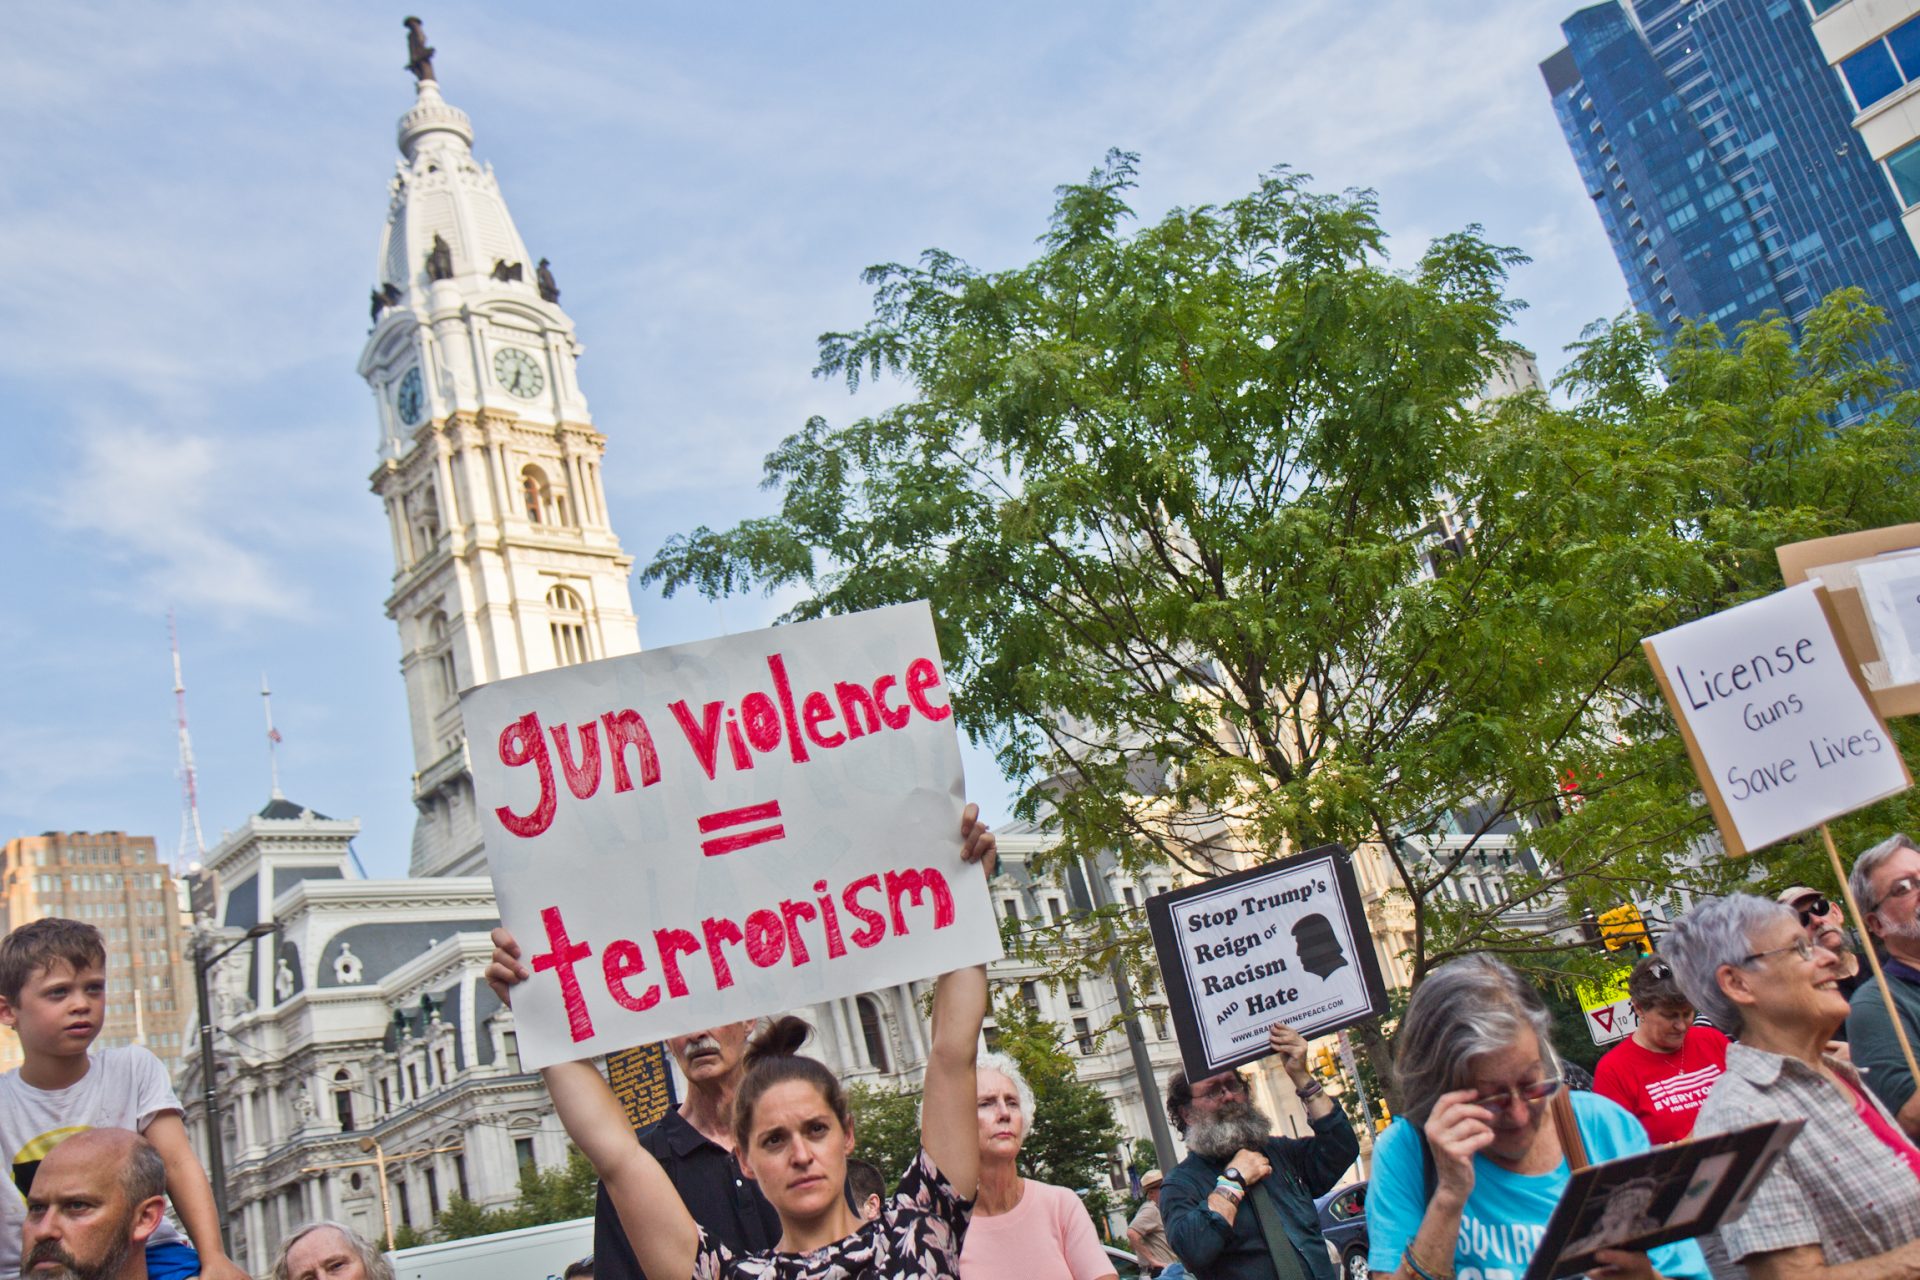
[1886, 884]
[1826, 926]
[1240, 1206]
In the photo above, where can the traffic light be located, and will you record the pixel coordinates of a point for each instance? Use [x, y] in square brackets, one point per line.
[1622, 929]
[1324, 1065]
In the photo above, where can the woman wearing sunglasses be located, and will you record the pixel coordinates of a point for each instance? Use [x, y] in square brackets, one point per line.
[1664, 1070]
[1844, 1199]
[1466, 1177]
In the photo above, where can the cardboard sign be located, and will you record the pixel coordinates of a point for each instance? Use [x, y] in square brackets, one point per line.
[1871, 589]
[1610, 1014]
[1774, 719]
[715, 831]
[1286, 942]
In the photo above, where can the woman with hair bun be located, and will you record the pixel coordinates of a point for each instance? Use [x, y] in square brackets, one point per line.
[793, 1132]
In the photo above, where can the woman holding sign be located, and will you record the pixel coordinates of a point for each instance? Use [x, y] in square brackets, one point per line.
[793, 1132]
[1467, 1175]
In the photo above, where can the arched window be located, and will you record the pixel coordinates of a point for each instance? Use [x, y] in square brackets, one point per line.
[875, 1033]
[537, 494]
[343, 1099]
[568, 616]
[423, 510]
[436, 650]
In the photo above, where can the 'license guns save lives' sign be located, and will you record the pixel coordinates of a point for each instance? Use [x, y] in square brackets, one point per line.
[1285, 942]
[1779, 729]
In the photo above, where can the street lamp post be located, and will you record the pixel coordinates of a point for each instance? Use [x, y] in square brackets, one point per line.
[216, 1154]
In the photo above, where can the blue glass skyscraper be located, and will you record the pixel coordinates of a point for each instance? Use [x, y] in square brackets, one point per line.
[1717, 145]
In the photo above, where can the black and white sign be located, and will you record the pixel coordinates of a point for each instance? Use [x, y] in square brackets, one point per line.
[1286, 942]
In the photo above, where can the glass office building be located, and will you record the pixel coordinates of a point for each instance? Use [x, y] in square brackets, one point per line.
[1718, 147]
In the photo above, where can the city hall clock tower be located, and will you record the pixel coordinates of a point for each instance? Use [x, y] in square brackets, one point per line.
[489, 463]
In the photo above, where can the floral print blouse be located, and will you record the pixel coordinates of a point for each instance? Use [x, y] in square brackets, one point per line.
[916, 1237]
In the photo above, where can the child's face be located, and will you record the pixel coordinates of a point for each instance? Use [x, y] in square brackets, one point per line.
[60, 1010]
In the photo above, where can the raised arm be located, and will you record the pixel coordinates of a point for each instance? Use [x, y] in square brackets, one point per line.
[949, 1128]
[658, 1226]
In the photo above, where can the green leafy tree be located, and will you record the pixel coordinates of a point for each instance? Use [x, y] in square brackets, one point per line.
[1073, 1128]
[886, 1128]
[1224, 546]
[546, 1195]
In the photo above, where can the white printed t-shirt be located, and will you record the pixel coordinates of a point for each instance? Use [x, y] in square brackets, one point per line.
[124, 1088]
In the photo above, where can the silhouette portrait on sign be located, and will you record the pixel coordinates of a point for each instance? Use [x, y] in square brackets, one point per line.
[1318, 945]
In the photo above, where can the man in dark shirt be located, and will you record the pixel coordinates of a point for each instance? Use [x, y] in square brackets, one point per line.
[1239, 1181]
[695, 1146]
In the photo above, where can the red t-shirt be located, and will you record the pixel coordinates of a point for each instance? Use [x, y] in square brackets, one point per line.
[1663, 1090]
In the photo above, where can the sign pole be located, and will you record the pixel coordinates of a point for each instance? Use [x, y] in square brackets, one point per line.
[1873, 957]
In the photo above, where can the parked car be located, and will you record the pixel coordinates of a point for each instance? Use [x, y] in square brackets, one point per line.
[1343, 1221]
[1125, 1265]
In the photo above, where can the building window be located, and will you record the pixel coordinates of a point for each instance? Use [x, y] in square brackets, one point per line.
[875, 1034]
[460, 1175]
[1084, 1034]
[440, 1059]
[1012, 909]
[413, 1080]
[1075, 1000]
[386, 1096]
[1879, 70]
[439, 652]
[535, 495]
[433, 1192]
[569, 623]
[1903, 166]
[991, 1036]
[1127, 894]
[523, 1154]
[400, 1202]
[343, 1100]
[1057, 910]
[510, 1045]
[1030, 995]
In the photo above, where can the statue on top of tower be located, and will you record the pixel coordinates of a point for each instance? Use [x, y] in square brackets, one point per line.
[543, 275]
[419, 53]
[439, 260]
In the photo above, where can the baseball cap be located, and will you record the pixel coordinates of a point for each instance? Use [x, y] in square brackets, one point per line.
[1798, 892]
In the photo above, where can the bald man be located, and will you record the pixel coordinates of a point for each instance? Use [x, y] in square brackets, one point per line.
[95, 1200]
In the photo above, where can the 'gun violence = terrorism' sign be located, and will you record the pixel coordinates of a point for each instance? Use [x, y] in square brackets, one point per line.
[715, 831]
[1777, 725]
[1285, 942]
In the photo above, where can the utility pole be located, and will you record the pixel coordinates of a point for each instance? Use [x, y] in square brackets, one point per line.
[1130, 1019]
[379, 1163]
[209, 1092]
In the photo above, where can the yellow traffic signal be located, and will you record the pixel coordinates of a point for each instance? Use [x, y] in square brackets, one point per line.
[1622, 929]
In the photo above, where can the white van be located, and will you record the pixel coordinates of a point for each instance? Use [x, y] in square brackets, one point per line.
[531, 1253]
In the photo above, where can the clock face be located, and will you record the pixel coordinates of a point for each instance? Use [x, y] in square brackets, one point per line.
[518, 372]
[410, 398]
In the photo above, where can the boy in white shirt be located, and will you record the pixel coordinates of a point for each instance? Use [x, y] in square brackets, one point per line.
[53, 993]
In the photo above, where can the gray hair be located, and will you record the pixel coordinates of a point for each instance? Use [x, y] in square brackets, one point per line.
[1463, 1010]
[1861, 881]
[372, 1260]
[1718, 932]
[1011, 1070]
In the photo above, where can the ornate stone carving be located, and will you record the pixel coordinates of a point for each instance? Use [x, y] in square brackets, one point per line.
[439, 260]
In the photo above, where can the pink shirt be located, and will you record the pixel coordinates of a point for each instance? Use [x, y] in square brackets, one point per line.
[1871, 1117]
[1048, 1236]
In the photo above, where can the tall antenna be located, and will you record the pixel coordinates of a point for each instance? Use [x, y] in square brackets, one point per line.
[189, 783]
[273, 736]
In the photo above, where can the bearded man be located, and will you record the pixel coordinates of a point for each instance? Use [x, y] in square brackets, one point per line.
[1240, 1206]
[1886, 883]
[96, 1198]
[695, 1146]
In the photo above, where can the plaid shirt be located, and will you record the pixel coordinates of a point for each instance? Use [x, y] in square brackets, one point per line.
[1837, 1186]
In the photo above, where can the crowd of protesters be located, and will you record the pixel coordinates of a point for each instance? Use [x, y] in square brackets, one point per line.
[1752, 1010]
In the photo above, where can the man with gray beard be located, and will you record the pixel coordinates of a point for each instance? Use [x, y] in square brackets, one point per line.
[1886, 884]
[1240, 1206]
[695, 1146]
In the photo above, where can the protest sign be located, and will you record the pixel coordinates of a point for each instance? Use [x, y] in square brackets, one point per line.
[1774, 719]
[1872, 583]
[710, 832]
[1285, 942]
[1610, 1015]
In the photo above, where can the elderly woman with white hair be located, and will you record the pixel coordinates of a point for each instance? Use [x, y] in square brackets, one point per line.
[1468, 1173]
[1020, 1227]
[1843, 1202]
[329, 1251]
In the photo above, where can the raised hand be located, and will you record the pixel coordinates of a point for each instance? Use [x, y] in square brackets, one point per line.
[505, 971]
[1457, 1129]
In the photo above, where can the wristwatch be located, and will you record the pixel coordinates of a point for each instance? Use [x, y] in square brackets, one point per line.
[1237, 1178]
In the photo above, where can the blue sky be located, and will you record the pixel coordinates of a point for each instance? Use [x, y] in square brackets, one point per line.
[193, 200]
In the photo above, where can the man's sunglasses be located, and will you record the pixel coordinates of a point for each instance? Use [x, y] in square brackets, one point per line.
[1812, 909]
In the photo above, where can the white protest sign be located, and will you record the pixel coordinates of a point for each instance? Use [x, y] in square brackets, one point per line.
[714, 831]
[1780, 733]
[1285, 942]
[1890, 589]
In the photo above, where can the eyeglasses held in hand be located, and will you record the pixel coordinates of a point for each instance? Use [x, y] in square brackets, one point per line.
[1538, 1091]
